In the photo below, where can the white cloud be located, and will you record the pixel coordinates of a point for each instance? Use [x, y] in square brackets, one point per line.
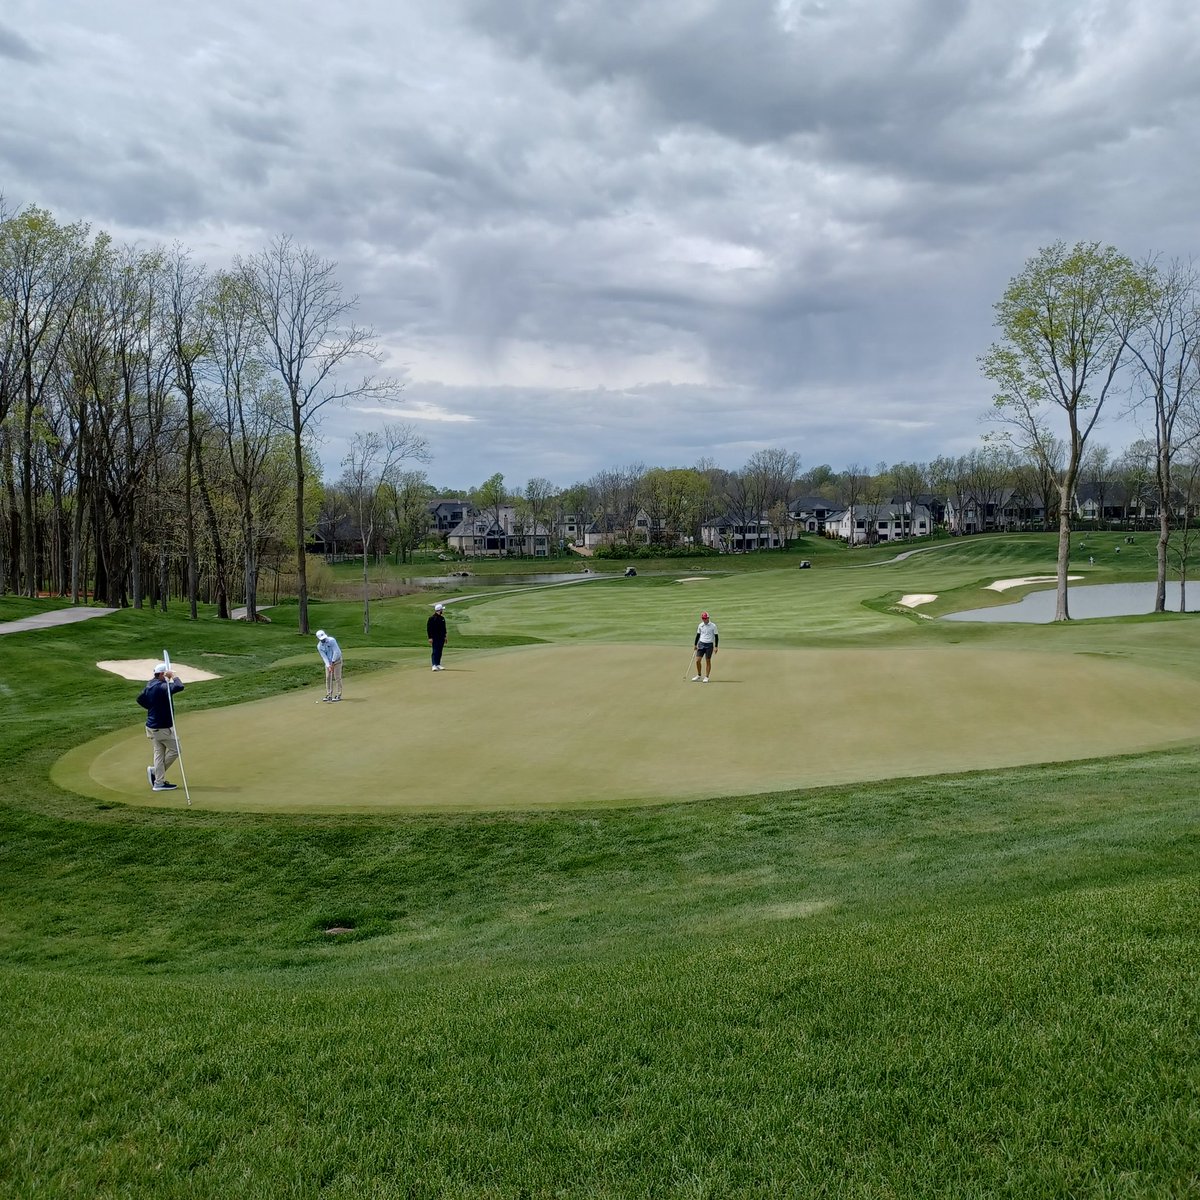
[417, 411]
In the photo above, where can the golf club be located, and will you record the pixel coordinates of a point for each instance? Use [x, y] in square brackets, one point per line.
[178, 743]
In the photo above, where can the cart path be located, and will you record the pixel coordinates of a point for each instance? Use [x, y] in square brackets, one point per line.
[47, 620]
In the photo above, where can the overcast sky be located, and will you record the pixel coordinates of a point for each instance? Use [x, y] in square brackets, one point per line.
[598, 232]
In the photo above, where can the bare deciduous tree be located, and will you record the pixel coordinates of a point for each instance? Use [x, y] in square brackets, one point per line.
[310, 340]
[1166, 346]
[368, 468]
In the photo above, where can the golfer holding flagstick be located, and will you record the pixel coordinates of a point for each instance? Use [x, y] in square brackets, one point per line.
[157, 699]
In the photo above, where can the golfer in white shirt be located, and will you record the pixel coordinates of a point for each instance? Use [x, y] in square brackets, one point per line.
[706, 647]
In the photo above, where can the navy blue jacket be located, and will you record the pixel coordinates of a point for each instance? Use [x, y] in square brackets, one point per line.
[155, 700]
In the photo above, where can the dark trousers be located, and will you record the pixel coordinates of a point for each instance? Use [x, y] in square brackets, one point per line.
[437, 653]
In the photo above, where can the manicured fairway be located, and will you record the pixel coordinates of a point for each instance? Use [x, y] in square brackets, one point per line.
[619, 724]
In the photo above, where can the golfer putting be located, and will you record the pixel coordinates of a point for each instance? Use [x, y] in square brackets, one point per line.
[331, 655]
[705, 647]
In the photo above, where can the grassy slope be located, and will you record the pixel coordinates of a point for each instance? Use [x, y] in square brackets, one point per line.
[973, 985]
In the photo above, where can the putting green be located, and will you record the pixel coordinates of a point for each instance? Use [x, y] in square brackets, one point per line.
[552, 726]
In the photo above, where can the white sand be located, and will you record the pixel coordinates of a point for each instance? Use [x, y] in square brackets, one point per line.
[693, 579]
[916, 598]
[143, 668]
[1002, 585]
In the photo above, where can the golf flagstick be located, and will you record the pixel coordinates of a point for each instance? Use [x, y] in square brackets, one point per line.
[178, 743]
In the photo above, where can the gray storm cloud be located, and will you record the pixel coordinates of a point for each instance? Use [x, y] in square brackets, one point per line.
[602, 232]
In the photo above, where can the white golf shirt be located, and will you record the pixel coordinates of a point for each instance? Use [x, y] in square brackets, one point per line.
[706, 632]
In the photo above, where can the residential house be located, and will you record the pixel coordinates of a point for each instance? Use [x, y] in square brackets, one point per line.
[1009, 511]
[482, 535]
[732, 534]
[446, 514]
[1115, 503]
[936, 505]
[809, 514]
[871, 523]
[610, 530]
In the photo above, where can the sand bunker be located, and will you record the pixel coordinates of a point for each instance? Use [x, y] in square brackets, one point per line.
[693, 579]
[143, 668]
[1002, 585]
[916, 598]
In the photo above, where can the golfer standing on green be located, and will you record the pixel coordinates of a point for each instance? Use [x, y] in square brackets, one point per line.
[331, 656]
[155, 698]
[706, 646]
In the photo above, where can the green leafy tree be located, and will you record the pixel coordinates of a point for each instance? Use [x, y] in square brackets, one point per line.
[1065, 323]
[490, 498]
[408, 496]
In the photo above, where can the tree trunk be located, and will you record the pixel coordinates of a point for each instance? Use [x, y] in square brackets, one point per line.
[27, 546]
[250, 566]
[1164, 534]
[214, 533]
[77, 538]
[301, 564]
[366, 592]
[189, 518]
[1061, 612]
[135, 568]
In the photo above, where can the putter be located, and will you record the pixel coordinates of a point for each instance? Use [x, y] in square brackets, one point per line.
[690, 673]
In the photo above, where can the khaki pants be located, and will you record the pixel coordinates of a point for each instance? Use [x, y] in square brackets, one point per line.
[166, 750]
[333, 680]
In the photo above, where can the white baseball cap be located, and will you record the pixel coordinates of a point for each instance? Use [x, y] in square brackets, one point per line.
[159, 668]
[438, 607]
[321, 635]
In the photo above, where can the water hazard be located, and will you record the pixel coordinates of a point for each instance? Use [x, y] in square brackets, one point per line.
[1096, 600]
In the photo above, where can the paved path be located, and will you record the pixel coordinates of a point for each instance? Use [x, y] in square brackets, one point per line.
[58, 616]
[239, 614]
[883, 562]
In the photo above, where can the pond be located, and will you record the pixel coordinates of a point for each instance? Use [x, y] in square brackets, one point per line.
[1097, 600]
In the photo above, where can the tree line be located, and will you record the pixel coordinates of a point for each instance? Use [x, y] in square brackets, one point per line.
[158, 421]
[157, 418]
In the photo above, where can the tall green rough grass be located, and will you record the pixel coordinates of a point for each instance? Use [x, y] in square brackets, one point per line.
[972, 986]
